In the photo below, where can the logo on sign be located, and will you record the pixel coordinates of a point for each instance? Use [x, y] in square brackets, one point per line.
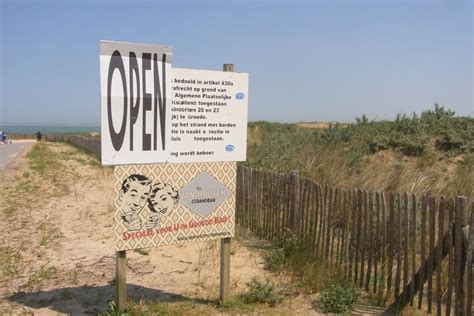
[240, 96]
[229, 148]
[203, 194]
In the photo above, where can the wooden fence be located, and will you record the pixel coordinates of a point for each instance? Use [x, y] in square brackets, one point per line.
[90, 145]
[405, 248]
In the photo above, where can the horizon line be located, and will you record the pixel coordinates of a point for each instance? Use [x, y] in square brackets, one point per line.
[50, 124]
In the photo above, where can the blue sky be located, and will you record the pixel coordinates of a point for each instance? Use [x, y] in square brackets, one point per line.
[308, 60]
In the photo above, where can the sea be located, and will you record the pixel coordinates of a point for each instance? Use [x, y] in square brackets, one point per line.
[33, 128]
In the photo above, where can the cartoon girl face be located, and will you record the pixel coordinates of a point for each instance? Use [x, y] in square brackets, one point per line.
[163, 198]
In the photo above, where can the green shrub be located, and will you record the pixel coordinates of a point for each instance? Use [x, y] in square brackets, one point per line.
[339, 298]
[414, 146]
[286, 147]
[283, 250]
[377, 143]
[264, 293]
[308, 271]
[451, 142]
[355, 158]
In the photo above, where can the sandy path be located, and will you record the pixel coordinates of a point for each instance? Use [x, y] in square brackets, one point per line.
[8, 152]
[57, 249]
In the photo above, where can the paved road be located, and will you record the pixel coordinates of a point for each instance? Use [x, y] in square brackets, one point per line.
[11, 151]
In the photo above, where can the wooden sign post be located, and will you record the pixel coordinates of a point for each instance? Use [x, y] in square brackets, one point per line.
[225, 247]
[121, 280]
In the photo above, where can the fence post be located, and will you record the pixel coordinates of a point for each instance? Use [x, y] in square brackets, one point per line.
[469, 242]
[295, 185]
[225, 245]
[466, 257]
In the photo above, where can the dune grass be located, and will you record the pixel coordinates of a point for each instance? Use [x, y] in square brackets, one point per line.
[430, 153]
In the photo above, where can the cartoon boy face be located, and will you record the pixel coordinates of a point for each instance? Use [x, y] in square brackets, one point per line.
[134, 194]
[162, 199]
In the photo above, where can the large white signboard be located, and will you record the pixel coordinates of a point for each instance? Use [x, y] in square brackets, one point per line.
[135, 110]
[153, 113]
[208, 116]
[175, 136]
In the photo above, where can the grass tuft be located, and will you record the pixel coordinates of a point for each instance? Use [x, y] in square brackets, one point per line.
[10, 261]
[262, 292]
[43, 274]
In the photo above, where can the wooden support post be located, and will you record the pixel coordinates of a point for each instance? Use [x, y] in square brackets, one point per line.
[228, 67]
[225, 247]
[121, 280]
[225, 270]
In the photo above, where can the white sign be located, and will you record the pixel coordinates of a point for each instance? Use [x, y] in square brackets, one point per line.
[151, 113]
[208, 116]
[135, 94]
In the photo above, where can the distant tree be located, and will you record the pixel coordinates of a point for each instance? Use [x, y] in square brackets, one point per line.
[363, 120]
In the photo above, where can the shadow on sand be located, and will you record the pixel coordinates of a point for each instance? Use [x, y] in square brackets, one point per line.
[86, 300]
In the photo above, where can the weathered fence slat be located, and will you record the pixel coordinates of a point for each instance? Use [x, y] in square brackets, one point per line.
[413, 245]
[398, 235]
[349, 232]
[377, 238]
[333, 216]
[337, 225]
[450, 256]
[350, 228]
[422, 246]
[328, 223]
[383, 246]
[315, 204]
[405, 238]
[432, 228]
[459, 254]
[309, 213]
[431, 225]
[370, 224]
[280, 206]
[358, 238]
[439, 254]
[343, 258]
[363, 244]
[320, 241]
[391, 242]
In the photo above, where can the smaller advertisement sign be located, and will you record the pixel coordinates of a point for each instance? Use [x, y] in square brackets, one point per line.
[164, 204]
